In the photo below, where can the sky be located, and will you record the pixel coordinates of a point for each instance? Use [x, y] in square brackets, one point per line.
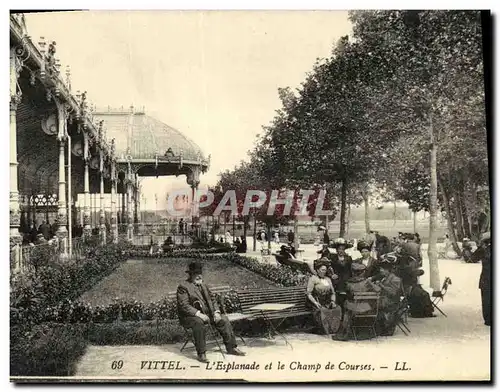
[213, 75]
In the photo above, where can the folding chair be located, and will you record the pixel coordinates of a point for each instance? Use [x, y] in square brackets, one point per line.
[212, 333]
[438, 296]
[366, 320]
[401, 315]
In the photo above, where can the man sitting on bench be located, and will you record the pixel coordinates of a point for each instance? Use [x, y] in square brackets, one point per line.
[196, 309]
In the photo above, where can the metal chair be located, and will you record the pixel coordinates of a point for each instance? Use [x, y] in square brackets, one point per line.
[401, 315]
[365, 320]
[438, 296]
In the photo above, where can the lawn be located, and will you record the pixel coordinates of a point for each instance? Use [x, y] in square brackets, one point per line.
[150, 280]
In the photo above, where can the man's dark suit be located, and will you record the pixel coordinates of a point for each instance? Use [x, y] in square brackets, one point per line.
[192, 298]
[483, 254]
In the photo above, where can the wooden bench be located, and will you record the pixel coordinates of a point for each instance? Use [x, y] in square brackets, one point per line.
[284, 295]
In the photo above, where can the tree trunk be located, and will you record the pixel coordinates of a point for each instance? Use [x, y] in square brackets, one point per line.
[245, 224]
[367, 211]
[295, 233]
[343, 207]
[394, 214]
[432, 251]
[465, 215]
[458, 216]
[268, 226]
[348, 219]
[415, 221]
[449, 219]
[254, 232]
[234, 228]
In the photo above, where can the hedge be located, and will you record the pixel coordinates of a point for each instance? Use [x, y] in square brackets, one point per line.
[47, 349]
[33, 292]
[140, 252]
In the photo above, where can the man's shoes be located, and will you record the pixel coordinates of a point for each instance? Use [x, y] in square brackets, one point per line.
[340, 338]
[236, 351]
[203, 358]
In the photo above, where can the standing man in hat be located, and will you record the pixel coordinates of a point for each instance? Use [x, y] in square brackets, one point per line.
[366, 258]
[483, 254]
[196, 310]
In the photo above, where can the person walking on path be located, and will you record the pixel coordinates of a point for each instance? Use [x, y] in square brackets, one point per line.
[483, 254]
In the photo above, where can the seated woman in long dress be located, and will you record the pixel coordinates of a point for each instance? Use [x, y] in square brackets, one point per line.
[321, 294]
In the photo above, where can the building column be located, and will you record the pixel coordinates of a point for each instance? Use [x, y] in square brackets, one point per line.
[193, 179]
[136, 200]
[62, 211]
[102, 216]
[113, 223]
[123, 211]
[15, 99]
[87, 230]
[130, 212]
[114, 226]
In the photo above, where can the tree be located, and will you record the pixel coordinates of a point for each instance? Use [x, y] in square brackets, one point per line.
[423, 59]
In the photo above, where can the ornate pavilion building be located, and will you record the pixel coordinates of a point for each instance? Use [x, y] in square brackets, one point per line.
[61, 147]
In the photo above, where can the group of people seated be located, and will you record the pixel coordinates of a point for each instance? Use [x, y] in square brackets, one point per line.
[389, 269]
[335, 278]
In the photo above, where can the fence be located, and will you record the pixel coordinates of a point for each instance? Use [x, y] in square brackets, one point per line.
[24, 258]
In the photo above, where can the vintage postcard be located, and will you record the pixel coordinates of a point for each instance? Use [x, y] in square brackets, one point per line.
[250, 196]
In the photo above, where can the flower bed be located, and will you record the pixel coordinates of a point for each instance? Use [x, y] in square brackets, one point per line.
[166, 309]
[34, 292]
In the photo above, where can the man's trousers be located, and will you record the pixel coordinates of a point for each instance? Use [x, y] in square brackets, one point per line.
[199, 329]
[486, 304]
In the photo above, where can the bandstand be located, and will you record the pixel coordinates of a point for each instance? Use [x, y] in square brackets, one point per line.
[146, 147]
[61, 147]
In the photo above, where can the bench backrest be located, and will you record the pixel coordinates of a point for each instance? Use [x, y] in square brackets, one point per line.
[283, 295]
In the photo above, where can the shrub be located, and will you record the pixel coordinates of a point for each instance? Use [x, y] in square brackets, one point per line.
[46, 350]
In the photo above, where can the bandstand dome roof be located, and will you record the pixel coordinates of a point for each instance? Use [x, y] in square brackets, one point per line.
[146, 136]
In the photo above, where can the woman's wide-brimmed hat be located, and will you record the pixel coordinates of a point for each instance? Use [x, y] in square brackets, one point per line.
[341, 242]
[324, 261]
[363, 245]
[195, 268]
